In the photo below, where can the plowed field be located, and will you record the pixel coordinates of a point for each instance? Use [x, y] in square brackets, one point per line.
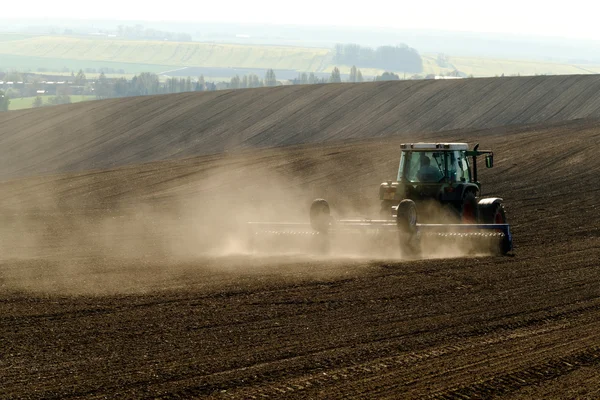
[115, 132]
[132, 282]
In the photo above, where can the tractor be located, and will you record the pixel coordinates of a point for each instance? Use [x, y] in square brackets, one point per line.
[442, 173]
[438, 174]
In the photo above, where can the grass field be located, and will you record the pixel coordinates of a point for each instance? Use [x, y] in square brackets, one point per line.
[27, 102]
[493, 67]
[55, 65]
[7, 37]
[29, 53]
[168, 53]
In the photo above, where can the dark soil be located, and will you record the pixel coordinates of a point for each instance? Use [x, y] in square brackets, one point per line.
[80, 320]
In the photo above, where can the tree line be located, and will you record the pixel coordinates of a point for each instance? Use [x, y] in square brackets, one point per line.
[389, 58]
[148, 83]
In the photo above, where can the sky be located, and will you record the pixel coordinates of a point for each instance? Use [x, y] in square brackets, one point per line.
[573, 19]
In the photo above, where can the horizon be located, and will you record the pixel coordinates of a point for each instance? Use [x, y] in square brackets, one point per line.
[532, 19]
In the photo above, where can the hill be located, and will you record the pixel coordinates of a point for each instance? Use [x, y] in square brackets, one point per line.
[165, 53]
[110, 133]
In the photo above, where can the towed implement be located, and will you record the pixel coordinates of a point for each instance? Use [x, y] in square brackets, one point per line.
[431, 176]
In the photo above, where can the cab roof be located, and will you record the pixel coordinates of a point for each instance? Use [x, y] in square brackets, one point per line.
[434, 146]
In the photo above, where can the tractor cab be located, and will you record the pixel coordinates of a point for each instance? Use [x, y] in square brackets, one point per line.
[433, 163]
[444, 172]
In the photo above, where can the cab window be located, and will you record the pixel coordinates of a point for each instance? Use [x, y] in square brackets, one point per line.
[424, 166]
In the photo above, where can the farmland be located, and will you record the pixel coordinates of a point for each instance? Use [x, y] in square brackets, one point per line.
[168, 53]
[27, 102]
[129, 130]
[64, 53]
[125, 270]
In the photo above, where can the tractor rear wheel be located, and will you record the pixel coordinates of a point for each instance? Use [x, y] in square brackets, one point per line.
[468, 213]
[494, 215]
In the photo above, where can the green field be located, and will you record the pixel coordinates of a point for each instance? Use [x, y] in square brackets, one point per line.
[61, 55]
[26, 63]
[7, 37]
[167, 53]
[497, 67]
[27, 102]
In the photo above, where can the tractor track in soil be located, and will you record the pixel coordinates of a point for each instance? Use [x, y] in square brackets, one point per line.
[145, 308]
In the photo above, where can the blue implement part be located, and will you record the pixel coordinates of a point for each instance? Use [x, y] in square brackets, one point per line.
[379, 226]
[502, 229]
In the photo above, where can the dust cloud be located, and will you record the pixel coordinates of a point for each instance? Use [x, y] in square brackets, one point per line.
[94, 234]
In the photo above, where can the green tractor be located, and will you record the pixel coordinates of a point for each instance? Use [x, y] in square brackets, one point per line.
[443, 174]
[431, 176]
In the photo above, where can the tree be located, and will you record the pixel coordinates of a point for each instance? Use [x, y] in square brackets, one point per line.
[80, 79]
[302, 78]
[394, 58]
[235, 82]
[270, 78]
[102, 88]
[254, 81]
[359, 77]
[312, 79]
[200, 84]
[4, 101]
[387, 76]
[353, 74]
[56, 100]
[145, 84]
[38, 102]
[121, 87]
[335, 76]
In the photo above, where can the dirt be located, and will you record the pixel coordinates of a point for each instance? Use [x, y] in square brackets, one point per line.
[127, 131]
[126, 283]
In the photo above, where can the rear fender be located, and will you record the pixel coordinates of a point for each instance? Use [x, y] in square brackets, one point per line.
[489, 201]
[488, 204]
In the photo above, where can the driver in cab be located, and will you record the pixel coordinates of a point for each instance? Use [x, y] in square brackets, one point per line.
[427, 172]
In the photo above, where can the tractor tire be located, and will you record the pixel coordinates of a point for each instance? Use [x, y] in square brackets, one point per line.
[469, 209]
[406, 217]
[320, 216]
[406, 220]
[493, 215]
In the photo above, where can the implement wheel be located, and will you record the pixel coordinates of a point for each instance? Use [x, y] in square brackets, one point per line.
[320, 215]
[406, 221]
